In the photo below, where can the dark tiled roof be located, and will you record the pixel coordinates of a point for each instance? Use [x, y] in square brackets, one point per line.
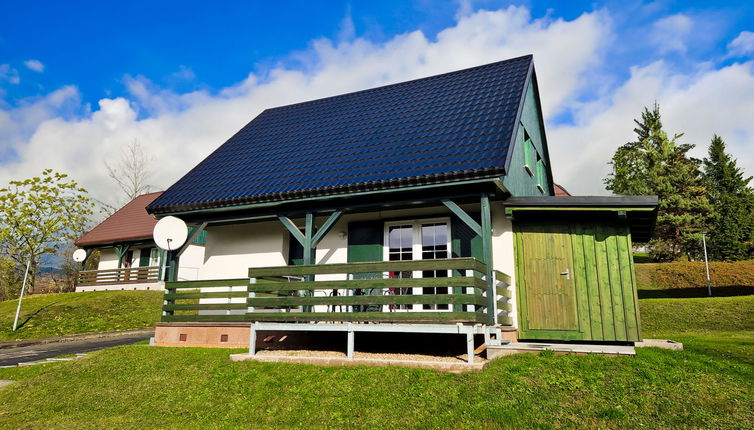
[129, 223]
[442, 128]
[560, 191]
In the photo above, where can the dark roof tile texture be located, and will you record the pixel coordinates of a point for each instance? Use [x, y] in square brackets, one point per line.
[446, 127]
[129, 223]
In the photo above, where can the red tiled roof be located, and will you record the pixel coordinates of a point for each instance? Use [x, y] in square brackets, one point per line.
[560, 191]
[131, 222]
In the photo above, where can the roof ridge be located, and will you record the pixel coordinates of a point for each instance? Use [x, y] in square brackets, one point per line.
[350, 93]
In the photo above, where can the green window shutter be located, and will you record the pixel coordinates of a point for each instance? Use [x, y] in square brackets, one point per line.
[200, 239]
[365, 241]
[144, 254]
[541, 175]
[295, 251]
[529, 152]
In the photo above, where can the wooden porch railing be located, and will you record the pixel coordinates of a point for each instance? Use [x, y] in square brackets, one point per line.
[371, 292]
[130, 275]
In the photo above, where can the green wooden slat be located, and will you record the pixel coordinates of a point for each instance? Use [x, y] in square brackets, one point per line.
[239, 282]
[591, 281]
[504, 305]
[181, 296]
[409, 299]
[204, 307]
[203, 318]
[380, 266]
[504, 320]
[580, 279]
[629, 246]
[603, 283]
[370, 284]
[404, 317]
[500, 276]
[505, 292]
[619, 316]
[627, 284]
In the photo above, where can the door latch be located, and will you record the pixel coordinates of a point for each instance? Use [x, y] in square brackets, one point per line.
[567, 273]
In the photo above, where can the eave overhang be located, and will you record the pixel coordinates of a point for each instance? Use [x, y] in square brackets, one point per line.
[640, 212]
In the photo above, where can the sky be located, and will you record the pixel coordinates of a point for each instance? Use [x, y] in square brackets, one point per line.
[81, 80]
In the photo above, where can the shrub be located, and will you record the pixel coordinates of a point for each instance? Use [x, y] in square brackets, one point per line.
[691, 274]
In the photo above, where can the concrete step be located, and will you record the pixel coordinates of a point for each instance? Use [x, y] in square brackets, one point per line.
[559, 348]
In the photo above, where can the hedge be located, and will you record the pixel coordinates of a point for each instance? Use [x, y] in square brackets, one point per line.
[663, 276]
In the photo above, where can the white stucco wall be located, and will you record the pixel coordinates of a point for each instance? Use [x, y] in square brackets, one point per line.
[108, 259]
[503, 254]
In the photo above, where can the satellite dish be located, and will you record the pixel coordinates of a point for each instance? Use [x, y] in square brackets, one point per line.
[170, 233]
[79, 255]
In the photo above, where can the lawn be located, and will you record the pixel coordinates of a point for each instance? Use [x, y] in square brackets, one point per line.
[47, 315]
[704, 386]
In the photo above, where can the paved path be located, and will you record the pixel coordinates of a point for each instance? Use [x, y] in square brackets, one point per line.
[25, 354]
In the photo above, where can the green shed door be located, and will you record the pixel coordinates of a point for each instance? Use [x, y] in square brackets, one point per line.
[576, 281]
[550, 288]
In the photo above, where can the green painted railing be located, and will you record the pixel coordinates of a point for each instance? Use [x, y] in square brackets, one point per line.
[370, 292]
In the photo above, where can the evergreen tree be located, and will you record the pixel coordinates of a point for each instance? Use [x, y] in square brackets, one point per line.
[657, 165]
[733, 202]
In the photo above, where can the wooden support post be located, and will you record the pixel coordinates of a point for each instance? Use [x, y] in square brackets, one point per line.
[460, 213]
[308, 234]
[470, 344]
[120, 251]
[190, 239]
[252, 339]
[322, 231]
[350, 346]
[487, 252]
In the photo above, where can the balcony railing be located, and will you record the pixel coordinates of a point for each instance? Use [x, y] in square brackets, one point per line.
[421, 291]
[130, 275]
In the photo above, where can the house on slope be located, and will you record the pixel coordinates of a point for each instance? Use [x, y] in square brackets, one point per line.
[129, 259]
[426, 206]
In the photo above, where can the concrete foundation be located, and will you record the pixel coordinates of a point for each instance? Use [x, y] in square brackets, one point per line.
[494, 351]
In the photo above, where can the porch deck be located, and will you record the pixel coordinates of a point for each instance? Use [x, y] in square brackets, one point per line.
[441, 291]
[129, 275]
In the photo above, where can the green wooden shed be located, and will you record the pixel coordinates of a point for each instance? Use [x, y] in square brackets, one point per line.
[574, 265]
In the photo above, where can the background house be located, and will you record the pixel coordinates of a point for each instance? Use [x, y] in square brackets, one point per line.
[129, 258]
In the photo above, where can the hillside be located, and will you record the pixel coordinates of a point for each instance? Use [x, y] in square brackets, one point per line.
[47, 315]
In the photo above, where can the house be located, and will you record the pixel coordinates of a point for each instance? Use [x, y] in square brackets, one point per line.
[128, 257]
[426, 206]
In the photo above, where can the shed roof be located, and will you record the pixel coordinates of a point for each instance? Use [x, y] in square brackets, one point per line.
[129, 223]
[448, 127]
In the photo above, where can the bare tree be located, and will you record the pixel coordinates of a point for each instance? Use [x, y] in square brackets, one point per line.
[132, 174]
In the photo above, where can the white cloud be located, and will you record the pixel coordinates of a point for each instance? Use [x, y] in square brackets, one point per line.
[9, 74]
[743, 44]
[670, 34]
[181, 129]
[34, 65]
[697, 103]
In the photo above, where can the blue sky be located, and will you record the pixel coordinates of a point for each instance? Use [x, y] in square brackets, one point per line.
[78, 80]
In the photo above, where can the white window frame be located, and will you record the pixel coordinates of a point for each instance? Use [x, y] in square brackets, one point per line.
[416, 253]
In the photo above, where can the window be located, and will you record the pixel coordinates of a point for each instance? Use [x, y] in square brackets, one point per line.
[415, 240]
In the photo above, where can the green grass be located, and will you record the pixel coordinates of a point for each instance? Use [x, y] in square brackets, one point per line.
[48, 315]
[709, 385]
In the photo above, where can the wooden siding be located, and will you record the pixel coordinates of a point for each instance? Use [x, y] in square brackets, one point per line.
[603, 276]
[517, 180]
